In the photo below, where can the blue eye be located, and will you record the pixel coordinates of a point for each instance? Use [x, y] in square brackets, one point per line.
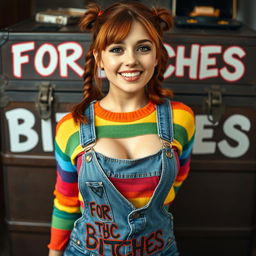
[144, 48]
[116, 50]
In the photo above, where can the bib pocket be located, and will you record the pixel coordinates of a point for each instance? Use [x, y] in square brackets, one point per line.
[99, 205]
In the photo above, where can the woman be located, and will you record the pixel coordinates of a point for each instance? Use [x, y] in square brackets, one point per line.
[129, 151]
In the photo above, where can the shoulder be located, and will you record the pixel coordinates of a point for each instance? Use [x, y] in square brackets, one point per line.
[179, 108]
[66, 130]
[183, 119]
[66, 122]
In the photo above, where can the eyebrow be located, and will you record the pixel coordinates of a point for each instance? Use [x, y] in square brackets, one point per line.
[138, 42]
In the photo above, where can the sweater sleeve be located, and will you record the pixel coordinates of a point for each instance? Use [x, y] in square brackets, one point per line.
[184, 132]
[66, 207]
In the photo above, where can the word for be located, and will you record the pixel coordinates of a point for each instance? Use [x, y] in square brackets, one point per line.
[203, 62]
[145, 245]
[102, 211]
[23, 137]
[59, 56]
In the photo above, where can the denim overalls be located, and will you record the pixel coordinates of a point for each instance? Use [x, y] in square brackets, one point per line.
[110, 225]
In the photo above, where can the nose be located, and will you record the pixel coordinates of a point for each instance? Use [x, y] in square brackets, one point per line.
[131, 58]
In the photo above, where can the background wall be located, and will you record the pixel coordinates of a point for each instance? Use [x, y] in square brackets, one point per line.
[13, 11]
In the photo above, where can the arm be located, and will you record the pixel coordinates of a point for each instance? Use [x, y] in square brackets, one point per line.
[55, 253]
[184, 132]
[66, 207]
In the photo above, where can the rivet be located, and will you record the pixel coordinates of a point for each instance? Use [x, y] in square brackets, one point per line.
[88, 158]
[136, 215]
[169, 154]
[78, 242]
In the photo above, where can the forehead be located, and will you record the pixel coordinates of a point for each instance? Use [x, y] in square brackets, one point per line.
[136, 34]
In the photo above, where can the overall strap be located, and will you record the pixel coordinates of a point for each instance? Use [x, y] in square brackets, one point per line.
[87, 131]
[164, 120]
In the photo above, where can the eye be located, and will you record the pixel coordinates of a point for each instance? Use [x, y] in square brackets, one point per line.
[116, 50]
[144, 48]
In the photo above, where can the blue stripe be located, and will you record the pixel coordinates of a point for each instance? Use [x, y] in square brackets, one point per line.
[69, 177]
[67, 166]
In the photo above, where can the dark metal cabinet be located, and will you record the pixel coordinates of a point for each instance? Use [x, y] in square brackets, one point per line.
[213, 71]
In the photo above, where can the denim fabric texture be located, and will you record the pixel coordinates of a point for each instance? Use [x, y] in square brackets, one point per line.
[110, 225]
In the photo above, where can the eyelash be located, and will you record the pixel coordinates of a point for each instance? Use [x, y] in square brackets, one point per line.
[118, 50]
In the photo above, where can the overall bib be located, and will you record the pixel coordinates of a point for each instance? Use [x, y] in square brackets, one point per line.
[110, 225]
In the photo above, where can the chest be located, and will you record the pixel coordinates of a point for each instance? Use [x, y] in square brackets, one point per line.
[129, 148]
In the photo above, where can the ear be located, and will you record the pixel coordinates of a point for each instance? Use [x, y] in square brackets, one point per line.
[156, 62]
[98, 63]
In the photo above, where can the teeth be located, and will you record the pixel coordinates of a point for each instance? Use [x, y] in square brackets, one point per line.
[130, 74]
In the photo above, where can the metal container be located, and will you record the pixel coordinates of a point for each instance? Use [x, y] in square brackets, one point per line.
[213, 71]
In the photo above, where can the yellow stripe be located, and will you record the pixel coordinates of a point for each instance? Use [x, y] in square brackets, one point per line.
[176, 144]
[67, 209]
[64, 132]
[184, 119]
[75, 153]
[80, 197]
[148, 119]
[177, 183]
[170, 197]
[139, 201]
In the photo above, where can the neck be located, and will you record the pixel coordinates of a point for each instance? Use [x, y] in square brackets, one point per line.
[124, 103]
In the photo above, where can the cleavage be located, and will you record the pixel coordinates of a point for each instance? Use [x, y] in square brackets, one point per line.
[129, 148]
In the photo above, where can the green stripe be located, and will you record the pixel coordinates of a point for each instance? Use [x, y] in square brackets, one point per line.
[180, 134]
[189, 143]
[60, 153]
[72, 143]
[125, 131]
[62, 224]
[65, 215]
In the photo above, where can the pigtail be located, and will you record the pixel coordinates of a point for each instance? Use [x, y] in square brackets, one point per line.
[162, 21]
[164, 18]
[155, 91]
[92, 84]
[89, 18]
[90, 91]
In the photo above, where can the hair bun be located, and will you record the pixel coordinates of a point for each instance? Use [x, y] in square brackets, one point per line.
[164, 17]
[89, 18]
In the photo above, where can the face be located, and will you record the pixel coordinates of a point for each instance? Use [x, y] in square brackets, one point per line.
[130, 64]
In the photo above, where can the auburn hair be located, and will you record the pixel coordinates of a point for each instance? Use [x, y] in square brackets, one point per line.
[113, 25]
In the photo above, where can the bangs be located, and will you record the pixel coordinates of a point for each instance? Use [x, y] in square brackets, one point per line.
[114, 31]
[117, 27]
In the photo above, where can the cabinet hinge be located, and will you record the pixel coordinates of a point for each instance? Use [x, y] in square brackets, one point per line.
[45, 100]
[4, 99]
[213, 105]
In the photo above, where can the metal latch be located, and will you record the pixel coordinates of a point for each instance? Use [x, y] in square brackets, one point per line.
[4, 99]
[213, 105]
[44, 100]
[4, 34]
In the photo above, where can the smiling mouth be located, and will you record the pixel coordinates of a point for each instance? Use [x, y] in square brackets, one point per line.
[131, 76]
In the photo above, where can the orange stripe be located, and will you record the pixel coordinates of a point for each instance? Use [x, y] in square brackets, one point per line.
[138, 194]
[59, 239]
[66, 200]
[62, 120]
[179, 105]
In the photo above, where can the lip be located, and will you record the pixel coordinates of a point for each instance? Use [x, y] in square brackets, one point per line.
[130, 71]
[131, 78]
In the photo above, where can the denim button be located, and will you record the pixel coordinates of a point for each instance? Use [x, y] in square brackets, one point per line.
[169, 154]
[88, 158]
[135, 215]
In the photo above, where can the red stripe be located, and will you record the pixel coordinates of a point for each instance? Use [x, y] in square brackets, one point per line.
[65, 188]
[183, 173]
[136, 184]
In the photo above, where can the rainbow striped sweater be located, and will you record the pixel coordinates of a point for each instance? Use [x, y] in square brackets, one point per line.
[68, 203]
